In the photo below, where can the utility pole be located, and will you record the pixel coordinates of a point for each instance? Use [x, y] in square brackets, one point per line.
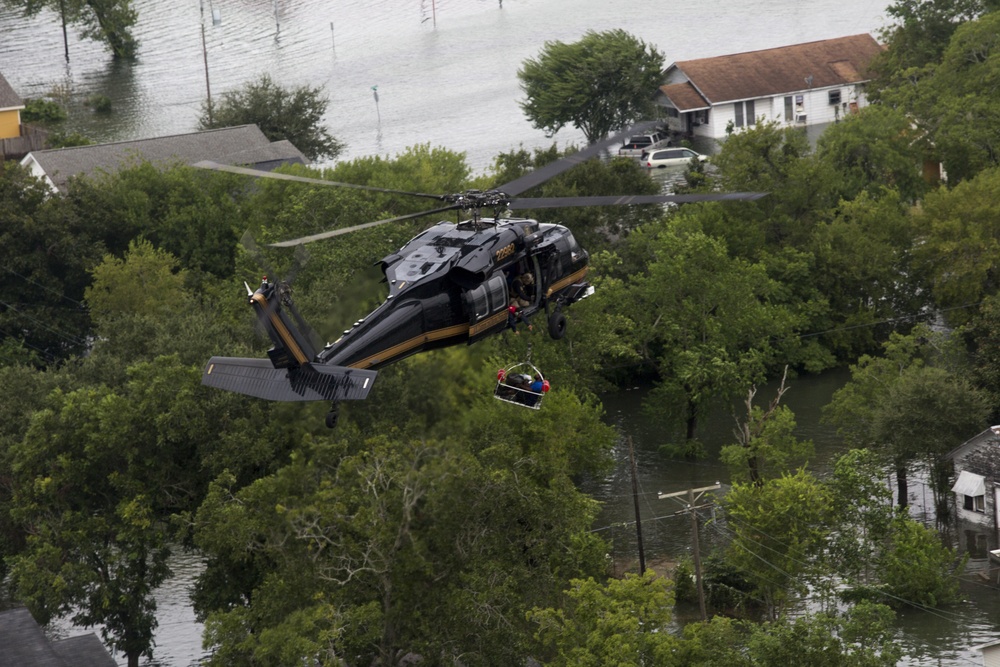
[204, 55]
[635, 498]
[692, 509]
[62, 13]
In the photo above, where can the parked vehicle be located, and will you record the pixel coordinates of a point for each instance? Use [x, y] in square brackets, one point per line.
[669, 157]
[635, 146]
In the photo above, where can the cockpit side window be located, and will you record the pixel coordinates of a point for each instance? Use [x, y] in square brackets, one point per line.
[498, 292]
[490, 297]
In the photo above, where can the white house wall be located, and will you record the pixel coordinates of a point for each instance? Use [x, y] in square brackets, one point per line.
[36, 170]
[815, 106]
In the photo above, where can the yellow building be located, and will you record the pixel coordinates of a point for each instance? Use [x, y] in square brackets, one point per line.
[10, 111]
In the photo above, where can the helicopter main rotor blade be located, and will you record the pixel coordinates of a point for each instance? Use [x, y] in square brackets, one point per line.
[257, 173]
[553, 169]
[626, 200]
[366, 225]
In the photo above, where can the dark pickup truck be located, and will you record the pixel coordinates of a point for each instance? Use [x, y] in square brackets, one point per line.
[635, 146]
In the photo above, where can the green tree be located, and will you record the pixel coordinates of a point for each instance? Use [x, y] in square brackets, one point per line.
[917, 38]
[621, 622]
[863, 266]
[47, 251]
[982, 334]
[374, 547]
[863, 516]
[863, 636]
[958, 233]
[95, 541]
[778, 531]
[766, 444]
[601, 83]
[917, 568]
[102, 474]
[43, 111]
[195, 215]
[702, 320]
[26, 389]
[295, 114]
[778, 161]
[963, 120]
[911, 404]
[107, 21]
[146, 282]
[875, 151]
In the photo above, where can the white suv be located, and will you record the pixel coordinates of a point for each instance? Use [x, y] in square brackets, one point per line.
[670, 157]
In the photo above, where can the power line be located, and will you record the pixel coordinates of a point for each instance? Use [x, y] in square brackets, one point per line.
[45, 287]
[69, 337]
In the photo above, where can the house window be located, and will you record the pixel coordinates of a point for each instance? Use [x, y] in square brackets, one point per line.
[835, 96]
[789, 109]
[700, 117]
[975, 503]
[744, 113]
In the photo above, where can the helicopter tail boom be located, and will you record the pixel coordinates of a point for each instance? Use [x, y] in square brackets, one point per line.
[259, 378]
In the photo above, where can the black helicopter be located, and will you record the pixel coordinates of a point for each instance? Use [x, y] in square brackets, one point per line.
[450, 284]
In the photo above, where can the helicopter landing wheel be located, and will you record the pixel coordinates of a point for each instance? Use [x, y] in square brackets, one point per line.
[332, 416]
[557, 325]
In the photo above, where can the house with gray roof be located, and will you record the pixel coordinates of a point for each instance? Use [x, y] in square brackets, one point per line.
[24, 644]
[798, 85]
[10, 110]
[240, 145]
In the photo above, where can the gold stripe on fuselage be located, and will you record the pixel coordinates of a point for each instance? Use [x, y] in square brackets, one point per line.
[279, 327]
[396, 350]
[488, 323]
[568, 280]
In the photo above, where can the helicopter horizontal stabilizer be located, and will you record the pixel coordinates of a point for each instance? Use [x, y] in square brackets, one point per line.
[259, 378]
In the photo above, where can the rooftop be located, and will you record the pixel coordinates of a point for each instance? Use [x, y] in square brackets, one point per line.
[243, 144]
[786, 69]
[8, 98]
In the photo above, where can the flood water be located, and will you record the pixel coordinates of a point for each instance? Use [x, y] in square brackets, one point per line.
[941, 637]
[445, 72]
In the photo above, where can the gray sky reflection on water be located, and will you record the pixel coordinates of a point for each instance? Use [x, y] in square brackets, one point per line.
[453, 85]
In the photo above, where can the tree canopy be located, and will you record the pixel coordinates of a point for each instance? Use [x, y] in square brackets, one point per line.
[603, 82]
[441, 523]
[295, 114]
[107, 21]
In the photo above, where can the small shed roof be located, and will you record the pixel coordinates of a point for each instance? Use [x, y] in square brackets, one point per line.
[8, 98]
[84, 650]
[969, 484]
[24, 643]
[786, 69]
[243, 144]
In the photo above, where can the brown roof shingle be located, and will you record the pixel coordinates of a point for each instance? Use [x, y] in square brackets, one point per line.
[785, 69]
[684, 96]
